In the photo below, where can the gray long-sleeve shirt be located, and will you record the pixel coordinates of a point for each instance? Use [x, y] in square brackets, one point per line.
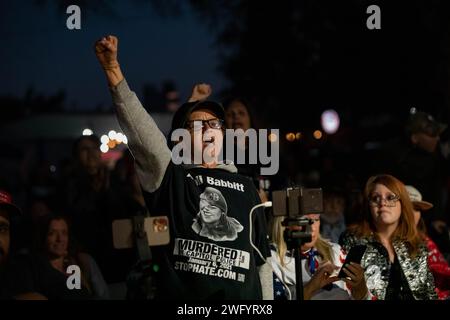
[148, 146]
[147, 143]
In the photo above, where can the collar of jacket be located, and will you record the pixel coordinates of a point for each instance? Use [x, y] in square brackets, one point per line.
[229, 166]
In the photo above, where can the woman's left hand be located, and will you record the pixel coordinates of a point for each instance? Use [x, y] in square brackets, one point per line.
[355, 280]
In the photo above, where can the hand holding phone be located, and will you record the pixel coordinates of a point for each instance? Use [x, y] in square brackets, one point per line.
[354, 255]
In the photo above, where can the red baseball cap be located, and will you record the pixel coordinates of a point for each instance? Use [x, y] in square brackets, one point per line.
[6, 203]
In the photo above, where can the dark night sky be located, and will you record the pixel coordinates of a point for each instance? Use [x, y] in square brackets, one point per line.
[38, 50]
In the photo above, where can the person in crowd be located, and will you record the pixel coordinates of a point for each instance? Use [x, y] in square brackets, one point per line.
[13, 271]
[174, 190]
[395, 261]
[417, 160]
[92, 200]
[7, 208]
[238, 115]
[125, 174]
[436, 261]
[320, 263]
[55, 243]
[332, 220]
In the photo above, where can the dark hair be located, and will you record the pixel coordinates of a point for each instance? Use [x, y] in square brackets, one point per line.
[41, 231]
[73, 252]
[245, 102]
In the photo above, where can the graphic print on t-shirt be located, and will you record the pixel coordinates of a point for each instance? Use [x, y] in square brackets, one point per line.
[212, 221]
[210, 259]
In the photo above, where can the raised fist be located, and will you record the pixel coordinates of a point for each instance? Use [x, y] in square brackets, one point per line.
[201, 91]
[106, 51]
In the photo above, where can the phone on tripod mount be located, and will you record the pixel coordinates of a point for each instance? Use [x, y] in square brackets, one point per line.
[297, 202]
[294, 204]
[155, 228]
[141, 232]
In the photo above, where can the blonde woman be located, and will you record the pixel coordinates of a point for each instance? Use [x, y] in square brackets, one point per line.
[321, 260]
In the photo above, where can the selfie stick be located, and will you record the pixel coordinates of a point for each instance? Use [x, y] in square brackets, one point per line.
[298, 274]
[139, 280]
[294, 240]
[142, 246]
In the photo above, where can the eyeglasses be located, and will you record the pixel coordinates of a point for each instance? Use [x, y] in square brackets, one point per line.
[390, 200]
[212, 123]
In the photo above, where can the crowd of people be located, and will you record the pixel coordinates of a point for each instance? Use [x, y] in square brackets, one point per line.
[224, 243]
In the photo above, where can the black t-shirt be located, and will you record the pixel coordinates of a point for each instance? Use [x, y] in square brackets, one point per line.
[210, 255]
[398, 288]
[33, 273]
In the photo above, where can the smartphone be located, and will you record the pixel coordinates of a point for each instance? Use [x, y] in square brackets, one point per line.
[354, 255]
[295, 202]
[156, 228]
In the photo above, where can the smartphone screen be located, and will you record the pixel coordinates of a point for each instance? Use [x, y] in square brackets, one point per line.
[354, 255]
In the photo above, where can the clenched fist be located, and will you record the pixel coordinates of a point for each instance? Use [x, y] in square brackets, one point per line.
[106, 51]
[201, 91]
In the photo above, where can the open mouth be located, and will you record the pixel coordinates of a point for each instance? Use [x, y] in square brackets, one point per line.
[207, 141]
